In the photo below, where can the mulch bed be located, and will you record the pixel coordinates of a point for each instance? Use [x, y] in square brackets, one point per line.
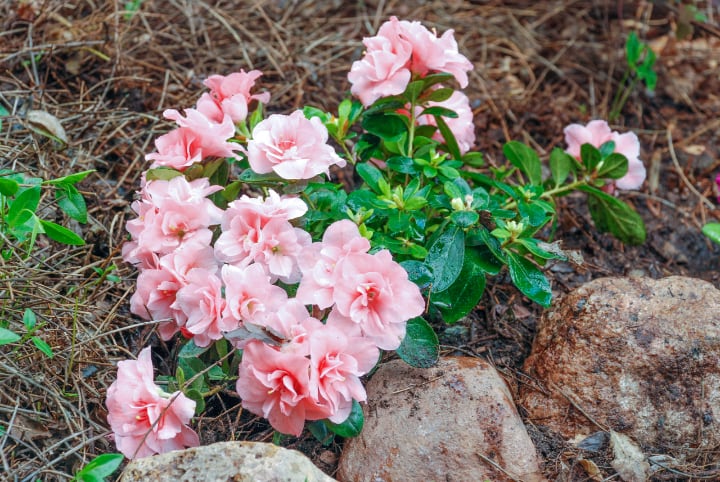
[108, 75]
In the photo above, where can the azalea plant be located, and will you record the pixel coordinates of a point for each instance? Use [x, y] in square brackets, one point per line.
[288, 286]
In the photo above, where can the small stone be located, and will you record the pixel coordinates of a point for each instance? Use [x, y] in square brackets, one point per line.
[237, 461]
[453, 422]
[637, 356]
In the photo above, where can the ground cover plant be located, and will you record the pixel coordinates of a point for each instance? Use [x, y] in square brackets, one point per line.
[423, 194]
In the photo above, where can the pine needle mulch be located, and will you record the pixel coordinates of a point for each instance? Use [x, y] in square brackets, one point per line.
[107, 74]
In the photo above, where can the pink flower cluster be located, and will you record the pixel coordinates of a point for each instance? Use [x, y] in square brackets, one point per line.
[597, 133]
[400, 50]
[204, 132]
[146, 420]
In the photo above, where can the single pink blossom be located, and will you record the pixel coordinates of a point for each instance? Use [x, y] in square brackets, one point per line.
[250, 296]
[144, 419]
[319, 261]
[201, 304]
[374, 292]
[274, 384]
[293, 146]
[197, 138]
[597, 133]
[337, 361]
[230, 95]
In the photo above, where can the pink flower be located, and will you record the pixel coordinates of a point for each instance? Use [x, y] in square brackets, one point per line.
[374, 292]
[201, 305]
[400, 50]
[319, 261]
[597, 133]
[171, 213]
[717, 182]
[146, 420]
[338, 360]
[249, 294]
[275, 384]
[461, 126]
[230, 95]
[292, 146]
[196, 139]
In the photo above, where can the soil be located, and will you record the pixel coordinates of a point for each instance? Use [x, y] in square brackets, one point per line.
[107, 75]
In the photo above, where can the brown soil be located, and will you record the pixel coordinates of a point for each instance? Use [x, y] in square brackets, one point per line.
[108, 76]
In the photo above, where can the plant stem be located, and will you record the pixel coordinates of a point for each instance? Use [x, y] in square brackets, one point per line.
[552, 192]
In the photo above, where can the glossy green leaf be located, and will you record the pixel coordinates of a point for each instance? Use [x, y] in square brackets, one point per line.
[196, 396]
[438, 95]
[465, 293]
[161, 173]
[529, 279]
[99, 468]
[525, 159]
[61, 234]
[320, 431]
[607, 148]
[420, 348]
[70, 179]
[613, 166]
[23, 206]
[402, 164]
[413, 90]
[41, 345]
[590, 156]
[387, 127]
[72, 202]
[437, 110]
[712, 231]
[7, 336]
[445, 257]
[450, 141]
[352, 426]
[418, 272]
[370, 174]
[464, 219]
[473, 159]
[561, 164]
[8, 187]
[614, 216]
[191, 350]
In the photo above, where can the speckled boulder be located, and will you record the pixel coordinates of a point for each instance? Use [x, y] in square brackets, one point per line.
[453, 422]
[639, 356]
[236, 461]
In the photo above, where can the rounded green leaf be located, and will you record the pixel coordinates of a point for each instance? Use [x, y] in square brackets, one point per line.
[525, 159]
[712, 231]
[352, 426]
[465, 293]
[7, 336]
[529, 279]
[420, 348]
[445, 257]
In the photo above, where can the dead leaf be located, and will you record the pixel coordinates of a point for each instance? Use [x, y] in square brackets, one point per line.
[591, 469]
[47, 125]
[629, 462]
[694, 149]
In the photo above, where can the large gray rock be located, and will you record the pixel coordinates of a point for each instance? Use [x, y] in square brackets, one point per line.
[453, 422]
[225, 461]
[638, 356]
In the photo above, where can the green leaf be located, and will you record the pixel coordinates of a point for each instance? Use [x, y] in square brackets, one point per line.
[413, 90]
[449, 137]
[440, 111]
[23, 207]
[3, 113]
[8, 187]
[352, 426]
[29, 319]
[529, 279]
[402, 164]
[61, 234]
[607, 148]
[370, 174]
[72, 203]
[387, 127]
[99, 468]
[438, 78]
[321, 432]
[614, 216]
[7, 336]
[712, 231]
[561, 163]
[464, 219]
[438, 95]
[69, 180]
[473, 159]
[633, 49]
[195, 395]
[525, 159]
[445, 257]
[191, 350]
[418, 273]
[162, 174]
[613, 166]
[420, 348]
[465, 293]
[590, 156]
[41, 345]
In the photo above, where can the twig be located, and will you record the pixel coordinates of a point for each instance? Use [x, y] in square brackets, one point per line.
[682, 174]
[497, 466]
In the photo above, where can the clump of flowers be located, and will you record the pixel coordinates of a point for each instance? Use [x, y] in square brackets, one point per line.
[286, 287]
